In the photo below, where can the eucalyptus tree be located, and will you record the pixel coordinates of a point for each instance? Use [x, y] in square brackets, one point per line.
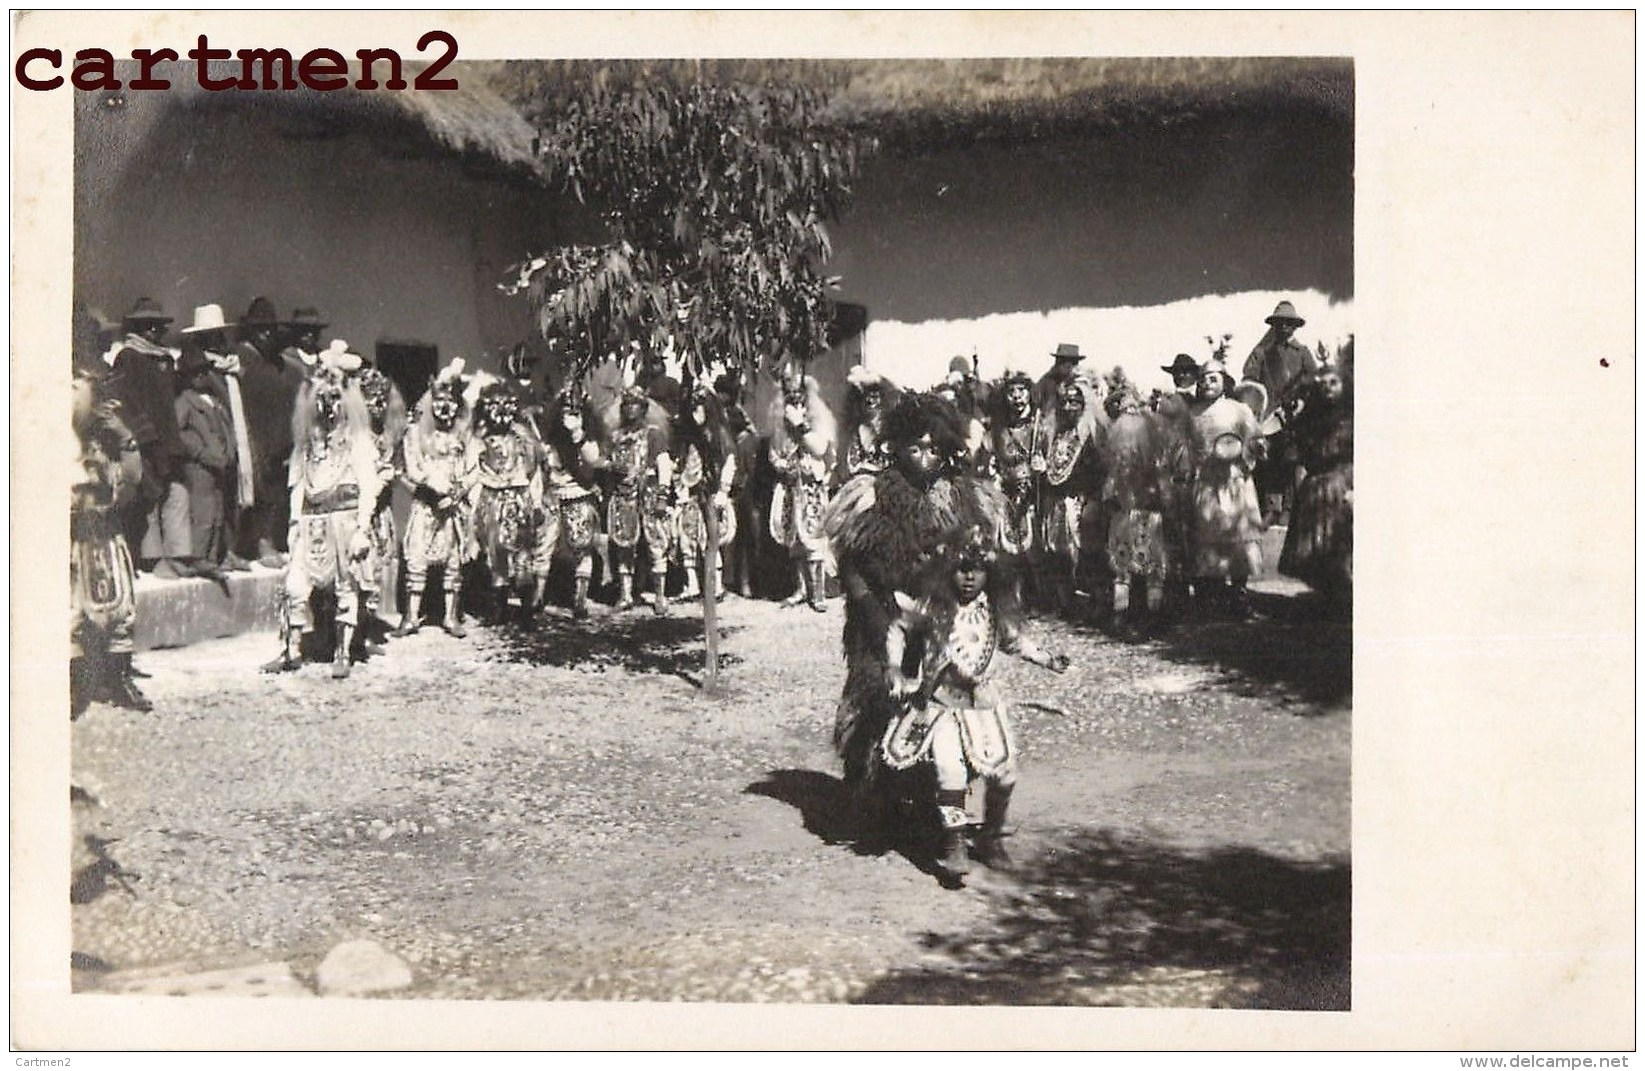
[711, 199]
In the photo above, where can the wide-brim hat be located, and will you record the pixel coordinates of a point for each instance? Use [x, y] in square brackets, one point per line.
[147, 311]
[1182, 364]
[307, 317]
[1067, 351]
[1285, 313]
[260, 314]
[207, 318]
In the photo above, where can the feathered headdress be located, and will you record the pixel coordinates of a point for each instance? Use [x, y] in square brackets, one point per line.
[449, 382]
[335, 357]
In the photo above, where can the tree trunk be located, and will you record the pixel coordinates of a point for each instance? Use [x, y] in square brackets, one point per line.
[710, 590]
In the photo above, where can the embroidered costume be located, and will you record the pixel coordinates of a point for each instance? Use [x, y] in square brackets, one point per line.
[878, 527]
[641, 506]
[380, 572]
[572, 459]
[512, 531]
[939, 650]
[438, 470]
[708, 473]
[803, 456]
[1015, 442]
[334, 486]
[1069, 443]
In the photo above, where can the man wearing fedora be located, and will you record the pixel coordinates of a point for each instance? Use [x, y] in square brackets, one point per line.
[1279, 362]
[303, 334]
[140, 379]
[1066, 360]
[268, 382]
[1284, 367]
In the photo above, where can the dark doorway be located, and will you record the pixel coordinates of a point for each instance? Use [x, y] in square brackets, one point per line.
[411, 365]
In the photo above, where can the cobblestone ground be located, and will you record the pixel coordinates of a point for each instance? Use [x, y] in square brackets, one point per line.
[563, 814]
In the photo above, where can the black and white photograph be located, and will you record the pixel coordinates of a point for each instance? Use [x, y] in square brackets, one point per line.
[837, 527]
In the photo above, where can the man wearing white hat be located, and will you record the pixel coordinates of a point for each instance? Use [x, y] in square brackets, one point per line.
[208, 336]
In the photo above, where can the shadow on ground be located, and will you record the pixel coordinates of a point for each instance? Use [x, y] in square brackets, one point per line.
[1099, 919]
[636, 642]
[99, 873]
[825, 807]
[1291, 643]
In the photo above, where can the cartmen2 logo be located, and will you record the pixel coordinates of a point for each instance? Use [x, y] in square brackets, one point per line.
[323, 69]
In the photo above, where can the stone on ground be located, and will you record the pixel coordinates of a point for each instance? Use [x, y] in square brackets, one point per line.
[355, 968]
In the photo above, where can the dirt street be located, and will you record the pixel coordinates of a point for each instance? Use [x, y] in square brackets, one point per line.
[562, 814]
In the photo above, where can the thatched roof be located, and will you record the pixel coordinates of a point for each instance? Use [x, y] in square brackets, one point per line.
[473, 122]
[1028, 99]
[921, 103]
[955, 101]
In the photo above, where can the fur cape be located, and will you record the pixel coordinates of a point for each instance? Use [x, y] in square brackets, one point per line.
[879, 528]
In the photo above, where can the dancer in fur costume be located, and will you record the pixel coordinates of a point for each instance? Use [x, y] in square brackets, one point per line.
[572, 456]
[1227, 520]
[878, 527]
[708, 474]
[956, 391]
[641, 507]
[1136, 486]
[1319, 544]
[869, 398]
[511, 530]
[335, 482]
[1070, 467]
[438, 470]
[803, 455]
[939, 649]
[387, 410]
[1174, 420]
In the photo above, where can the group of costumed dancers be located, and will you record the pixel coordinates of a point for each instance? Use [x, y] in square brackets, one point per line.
[940, 512]
[954, 508]
[492, 480]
